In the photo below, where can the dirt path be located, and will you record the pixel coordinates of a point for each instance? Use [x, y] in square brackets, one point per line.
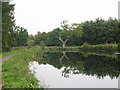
[5, 58]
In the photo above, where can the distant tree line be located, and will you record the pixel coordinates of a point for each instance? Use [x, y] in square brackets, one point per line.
[94, 32]
[97, 31]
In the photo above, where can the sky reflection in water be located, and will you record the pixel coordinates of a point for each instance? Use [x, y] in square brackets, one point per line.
[70, 77]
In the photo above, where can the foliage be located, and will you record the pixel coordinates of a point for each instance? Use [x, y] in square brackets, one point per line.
[61, 49]
[108, 50]
[97, 31]
[85, 46]
[8, 24]
[99, 47]
[30, 43]
[17, 75]
[39, 37]
[52, 37]
[42, 45]
[100, 31]
[13, 51]
[69, 31]
[93, 65]
[21, 36]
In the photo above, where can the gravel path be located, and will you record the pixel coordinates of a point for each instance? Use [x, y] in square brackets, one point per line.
[5, 58]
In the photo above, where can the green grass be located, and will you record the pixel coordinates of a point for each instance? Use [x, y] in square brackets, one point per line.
[12, 52]
[60, 49]
[16, 73]
[85, 47]
[99, 53]
[99, 47]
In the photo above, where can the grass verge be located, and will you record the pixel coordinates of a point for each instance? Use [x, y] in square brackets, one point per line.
[16, 73]
[12, 52]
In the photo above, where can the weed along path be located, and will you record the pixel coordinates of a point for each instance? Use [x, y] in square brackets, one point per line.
[5, 58]
[2, 60]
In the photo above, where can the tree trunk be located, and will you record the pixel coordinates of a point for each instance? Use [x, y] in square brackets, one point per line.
[63, 42]
[64, 55]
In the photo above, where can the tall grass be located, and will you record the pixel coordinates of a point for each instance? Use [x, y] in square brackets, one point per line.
[99, 47]
[12, 52]
[85, 47]
[60, 49]
[16, 73]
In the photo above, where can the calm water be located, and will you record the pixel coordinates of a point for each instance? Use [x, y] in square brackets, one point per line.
[75, 70]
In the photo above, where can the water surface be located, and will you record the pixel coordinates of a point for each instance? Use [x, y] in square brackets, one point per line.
[75, 70]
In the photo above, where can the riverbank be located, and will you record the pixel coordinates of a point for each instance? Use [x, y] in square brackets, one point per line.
[16, 73]
[85, 47]
[99, 47]
[109, 50]
[12, 52]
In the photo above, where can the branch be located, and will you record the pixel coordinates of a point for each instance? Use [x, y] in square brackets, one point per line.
[64, 55]
[66, 40]
[61, 39]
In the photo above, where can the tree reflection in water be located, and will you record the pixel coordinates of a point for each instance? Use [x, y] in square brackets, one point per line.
[64, 56]
[77, 63]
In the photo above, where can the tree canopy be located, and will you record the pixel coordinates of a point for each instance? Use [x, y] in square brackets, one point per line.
[93, 32]
[8, 23]
[21, 36]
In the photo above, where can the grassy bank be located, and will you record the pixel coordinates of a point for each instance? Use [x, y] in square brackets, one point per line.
[60, 49]
[14, 51]
[16, 73]
[85, 47]
[99, 47]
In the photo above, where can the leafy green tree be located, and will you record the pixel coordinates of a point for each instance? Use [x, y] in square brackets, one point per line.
[100, 31]
[68, 31]
[52, 37]
[30, 43]
[42, 45]
[21, 36]
[8, 23]
[30, 37]
[39, 37]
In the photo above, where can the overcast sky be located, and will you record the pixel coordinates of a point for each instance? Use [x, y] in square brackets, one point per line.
[46, 15]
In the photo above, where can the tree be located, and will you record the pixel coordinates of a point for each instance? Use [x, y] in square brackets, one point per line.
[68, 31]
[39, 37]
[30, 43]
[21, 36]
[100, 31]
[8, 24]
[42, 45]
[52, 37]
